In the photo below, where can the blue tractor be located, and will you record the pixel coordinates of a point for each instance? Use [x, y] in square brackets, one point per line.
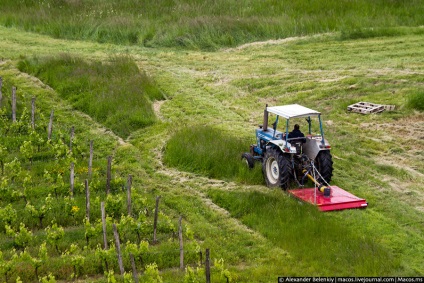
[288, 157]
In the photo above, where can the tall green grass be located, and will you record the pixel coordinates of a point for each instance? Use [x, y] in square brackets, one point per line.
[319, 242]
[416, 100]
[212, 152]
[206, 25]
[116, 93]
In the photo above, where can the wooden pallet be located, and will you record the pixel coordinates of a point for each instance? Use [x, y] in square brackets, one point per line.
[389, 107]
[368, 108]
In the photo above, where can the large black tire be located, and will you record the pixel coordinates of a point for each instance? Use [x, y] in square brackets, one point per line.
[324, 164]
[277, 169]
[248, 158]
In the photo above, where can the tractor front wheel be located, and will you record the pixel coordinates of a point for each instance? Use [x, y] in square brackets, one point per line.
[276, 169]
[248, 159]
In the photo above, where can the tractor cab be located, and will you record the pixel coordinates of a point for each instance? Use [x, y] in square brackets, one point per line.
[282, 133]
[284, 152]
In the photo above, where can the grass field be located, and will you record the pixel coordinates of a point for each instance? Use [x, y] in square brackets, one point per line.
[97, 89]
[195, 24]
[189, 153]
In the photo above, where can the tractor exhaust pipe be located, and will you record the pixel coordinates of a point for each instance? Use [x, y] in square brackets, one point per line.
[265, 126]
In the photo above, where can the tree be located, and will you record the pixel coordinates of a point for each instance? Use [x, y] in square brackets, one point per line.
[27, 150]
[56, 183]
[105, 256]
[193, 276]
[34, 261]
[22, 237]
[92, 230]
[8, 215]
[7, 265]
[151, 274]
[3, 156]
[225, 273]
[48, 279]
[13, 169]
[76, 258]
[55, 233]
[36, 139]
[127, 225]
[114, 205]
[137, 250]
[41, 211]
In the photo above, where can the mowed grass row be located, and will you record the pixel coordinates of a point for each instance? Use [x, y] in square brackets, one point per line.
[208, 25]
[376, 70]
[254, 222]
[116, 93]
[323, 244]
[326, 246]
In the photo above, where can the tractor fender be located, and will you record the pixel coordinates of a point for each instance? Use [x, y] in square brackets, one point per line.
[284, 146]
[314, 145]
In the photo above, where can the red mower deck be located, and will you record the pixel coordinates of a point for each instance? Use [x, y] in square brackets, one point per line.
[339, 199]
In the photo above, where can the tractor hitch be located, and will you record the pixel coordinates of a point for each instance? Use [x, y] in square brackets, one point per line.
[320, 186]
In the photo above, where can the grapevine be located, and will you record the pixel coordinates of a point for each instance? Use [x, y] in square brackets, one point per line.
[34, 193]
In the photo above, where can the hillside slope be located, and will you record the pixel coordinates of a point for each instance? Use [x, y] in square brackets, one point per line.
[378, 157]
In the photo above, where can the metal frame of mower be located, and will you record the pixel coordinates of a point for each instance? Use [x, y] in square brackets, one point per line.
[284, 159]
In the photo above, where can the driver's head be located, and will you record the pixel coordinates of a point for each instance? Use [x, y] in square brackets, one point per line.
[296, 127]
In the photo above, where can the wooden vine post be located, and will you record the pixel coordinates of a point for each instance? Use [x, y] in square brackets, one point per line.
[1, 85]
[87, 201]
[134, 270]
[13, 104]
[90, 160]
[49, 135]
[108, 174]
[129, 183]
[71, 137]
[208, 267]
[72, 179]
[102, 206]
[180, 237]
[118, 249]
[33, 113]
[155, 222]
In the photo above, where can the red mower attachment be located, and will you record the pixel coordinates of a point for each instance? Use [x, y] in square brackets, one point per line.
[338, 199]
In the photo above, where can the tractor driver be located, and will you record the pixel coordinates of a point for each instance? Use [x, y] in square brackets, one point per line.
[296, 133]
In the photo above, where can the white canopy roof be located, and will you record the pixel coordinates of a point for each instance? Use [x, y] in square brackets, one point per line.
[292, 111]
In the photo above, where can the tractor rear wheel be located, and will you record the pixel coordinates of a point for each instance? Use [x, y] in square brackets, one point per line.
[276, 169]
[324, 164]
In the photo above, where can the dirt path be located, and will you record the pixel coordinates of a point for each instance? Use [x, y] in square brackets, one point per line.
[157, 105]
